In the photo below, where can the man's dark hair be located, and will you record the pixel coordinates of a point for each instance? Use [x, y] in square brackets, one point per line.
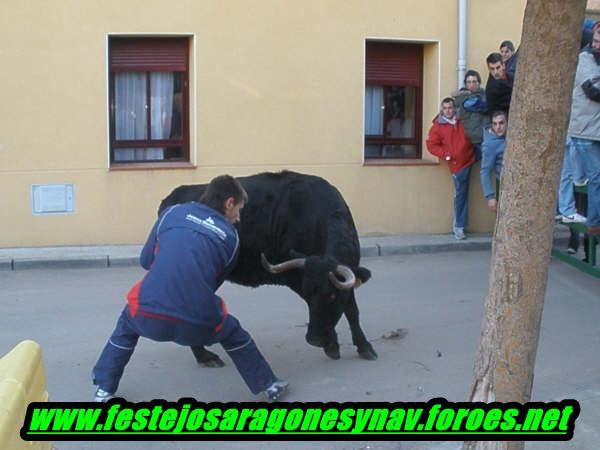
[472, 73]
[508, 44]
[493, 58]
[220, 189]
[449, 100]
[499, 112]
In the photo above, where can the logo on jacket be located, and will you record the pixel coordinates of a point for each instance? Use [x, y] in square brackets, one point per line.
[209, 224]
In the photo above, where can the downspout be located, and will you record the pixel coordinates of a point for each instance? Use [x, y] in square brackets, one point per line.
[462, 41]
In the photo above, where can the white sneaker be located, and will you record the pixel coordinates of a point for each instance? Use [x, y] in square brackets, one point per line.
[574, 218]
[102, 396]
[580, 183]
[459, 234]
[276, 391]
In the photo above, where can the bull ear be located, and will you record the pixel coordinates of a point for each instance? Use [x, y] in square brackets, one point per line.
[362, 273]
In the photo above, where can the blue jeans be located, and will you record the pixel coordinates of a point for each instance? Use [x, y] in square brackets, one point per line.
[491, 161]
[236, 341]
[461, 197]
[566, 198]
[589, 153]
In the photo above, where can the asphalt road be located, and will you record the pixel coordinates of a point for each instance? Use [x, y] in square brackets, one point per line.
[436, 299]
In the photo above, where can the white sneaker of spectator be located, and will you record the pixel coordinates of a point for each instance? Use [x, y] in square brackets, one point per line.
[573, 218]
[580, 183]
[459, 234]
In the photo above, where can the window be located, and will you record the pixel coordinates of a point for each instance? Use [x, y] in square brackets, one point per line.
[393, 98]
[149, 100]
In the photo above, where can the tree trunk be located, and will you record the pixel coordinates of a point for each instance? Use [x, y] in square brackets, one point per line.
[522, 241]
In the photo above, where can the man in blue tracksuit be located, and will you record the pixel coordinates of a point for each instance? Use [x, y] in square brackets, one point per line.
[189, 252]
[492, 154]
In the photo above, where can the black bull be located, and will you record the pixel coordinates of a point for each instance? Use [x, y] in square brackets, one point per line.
[292, 215]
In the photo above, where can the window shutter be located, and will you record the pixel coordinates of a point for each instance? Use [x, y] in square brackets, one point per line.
[389, 63]
[148, 54]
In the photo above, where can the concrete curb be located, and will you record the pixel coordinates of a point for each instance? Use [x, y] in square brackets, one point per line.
[107, 261]
[377, 250]
[69, 257]
[89, 262]
[128, 256]
[434, 248]
[123, 261]
[84, 262]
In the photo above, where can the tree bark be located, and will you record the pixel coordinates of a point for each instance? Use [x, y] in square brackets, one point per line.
[541, 101]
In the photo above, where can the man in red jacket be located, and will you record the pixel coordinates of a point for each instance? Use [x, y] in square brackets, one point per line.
[447, 140]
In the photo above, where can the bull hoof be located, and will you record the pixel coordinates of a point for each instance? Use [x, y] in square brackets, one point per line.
[367, 353]
[206, 358]
[333, 351]
[218, 362]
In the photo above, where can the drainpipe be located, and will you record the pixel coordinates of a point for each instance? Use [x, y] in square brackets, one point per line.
[462, 41]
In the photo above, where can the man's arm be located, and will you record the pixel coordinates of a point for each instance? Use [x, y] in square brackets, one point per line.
[487, 165]
[435, 143]
[505, 95]
[492, 203]
[147, 255]
[588, 72]
[231, 253]
[150, 248]
[498, 94]
[460, 95]
[586, 68]
[511, 65]
[591, 89]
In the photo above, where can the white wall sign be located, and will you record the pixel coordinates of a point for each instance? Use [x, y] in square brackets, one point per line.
[52, 198]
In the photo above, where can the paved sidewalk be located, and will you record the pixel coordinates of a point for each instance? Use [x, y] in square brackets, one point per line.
[70, 313]
[127, 255]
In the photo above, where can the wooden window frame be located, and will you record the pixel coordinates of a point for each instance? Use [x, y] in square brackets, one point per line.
[396, 79]
[147, 67]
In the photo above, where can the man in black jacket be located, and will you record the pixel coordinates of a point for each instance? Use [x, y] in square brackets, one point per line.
[498, 89]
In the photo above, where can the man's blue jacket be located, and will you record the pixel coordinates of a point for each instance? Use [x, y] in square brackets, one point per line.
[188, 254]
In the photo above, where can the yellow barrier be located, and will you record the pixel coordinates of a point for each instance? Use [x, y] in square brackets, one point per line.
[22, 380]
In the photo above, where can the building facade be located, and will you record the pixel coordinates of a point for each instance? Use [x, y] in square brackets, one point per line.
[107, 106]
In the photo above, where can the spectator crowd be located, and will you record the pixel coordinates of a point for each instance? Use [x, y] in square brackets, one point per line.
[472, 124]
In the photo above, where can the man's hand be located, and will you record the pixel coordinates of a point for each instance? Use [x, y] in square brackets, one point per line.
[492, 204]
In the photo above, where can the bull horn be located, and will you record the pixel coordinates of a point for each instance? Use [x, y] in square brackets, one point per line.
[297, 263]
[348, 276]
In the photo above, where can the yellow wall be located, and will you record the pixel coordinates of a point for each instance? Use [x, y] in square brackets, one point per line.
[274, 85]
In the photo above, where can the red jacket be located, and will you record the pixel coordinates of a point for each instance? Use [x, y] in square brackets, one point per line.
[445, 140]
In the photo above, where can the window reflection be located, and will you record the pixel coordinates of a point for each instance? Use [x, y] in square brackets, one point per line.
[390, 118]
